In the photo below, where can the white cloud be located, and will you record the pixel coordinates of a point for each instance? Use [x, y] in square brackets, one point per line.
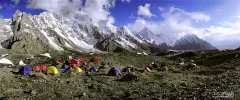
[223, 36]
[174, 21]
[128, 1]
[182, 15]
[96, 9]
[15, 1]
[1, 7]
[131, 16]
[177, 23]
[56, 6]
[1, 16]
[144, 10]
[111, 19]
[161, 9]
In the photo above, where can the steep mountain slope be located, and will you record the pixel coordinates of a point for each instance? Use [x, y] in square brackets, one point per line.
[192, 42]
[48, 32]
[149, 36]
[188, 42]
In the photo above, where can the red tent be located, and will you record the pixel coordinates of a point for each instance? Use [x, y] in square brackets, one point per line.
[74, 62]
[238, 49]
[83, 63]
[36, 68]
[147, 69]
[57, 62]
[81, 59]
[75, 66]
[43, 67]
[97, 59]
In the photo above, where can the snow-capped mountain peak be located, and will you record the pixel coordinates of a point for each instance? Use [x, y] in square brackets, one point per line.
[57, 32]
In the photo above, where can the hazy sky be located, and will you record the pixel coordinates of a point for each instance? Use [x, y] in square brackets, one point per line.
[217, 21]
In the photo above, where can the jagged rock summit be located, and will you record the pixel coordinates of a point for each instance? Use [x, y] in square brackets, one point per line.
[48, 32]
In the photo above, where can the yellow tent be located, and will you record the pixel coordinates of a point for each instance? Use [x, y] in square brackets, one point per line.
[52, 70]
[77, 69]
[172, 68]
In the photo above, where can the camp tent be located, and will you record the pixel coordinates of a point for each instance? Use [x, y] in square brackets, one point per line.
[238, 49]
[83, 63]
[4, 55]
[127, 69]
[77, 69]
[65, 66]
[21, 63]
[172, 68]
[147, 69]
[5, 61]
[52, 70]
[66, 62]
[93, 69]
[74, 62]
[24, 70]
[114, 71]
[36, 68]
[103, 63]
[43, 67]
[96, 59]
[57, 62]
[81, 59]
[75, 66]
[46, 55]
[109, 63]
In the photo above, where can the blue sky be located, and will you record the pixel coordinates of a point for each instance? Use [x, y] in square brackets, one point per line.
[123, 10]
[217, 21]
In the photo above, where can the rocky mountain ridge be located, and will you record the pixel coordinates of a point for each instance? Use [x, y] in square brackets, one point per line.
[25, 33]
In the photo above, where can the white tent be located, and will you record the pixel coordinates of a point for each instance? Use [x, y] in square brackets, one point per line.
[46, 55]
[21, 63]
[4, 55]
[5, 61]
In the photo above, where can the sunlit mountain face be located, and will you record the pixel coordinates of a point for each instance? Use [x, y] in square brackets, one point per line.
[216, 21]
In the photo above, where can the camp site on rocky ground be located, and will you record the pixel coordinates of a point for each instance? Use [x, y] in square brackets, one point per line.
[187, 75]
[119, 49]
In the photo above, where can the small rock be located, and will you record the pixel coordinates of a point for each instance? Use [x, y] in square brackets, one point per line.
[33, 92]
[129, 77]
[68, 82]
[84, 94]
[183, 84]
[87, 80]
[72, 74]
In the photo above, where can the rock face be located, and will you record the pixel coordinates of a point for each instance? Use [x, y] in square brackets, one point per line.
[192, 42]
[188, 42]
[22, 41]
[48, 32]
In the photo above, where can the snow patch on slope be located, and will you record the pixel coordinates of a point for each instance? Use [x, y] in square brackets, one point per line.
[51, 42]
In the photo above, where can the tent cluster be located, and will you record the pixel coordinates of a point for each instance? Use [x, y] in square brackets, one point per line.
[77, 64]
[53, 70]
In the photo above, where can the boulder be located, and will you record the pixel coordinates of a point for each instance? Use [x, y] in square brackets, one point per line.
[129, 77]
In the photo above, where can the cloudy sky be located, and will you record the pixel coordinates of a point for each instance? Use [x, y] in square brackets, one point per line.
[217, 21]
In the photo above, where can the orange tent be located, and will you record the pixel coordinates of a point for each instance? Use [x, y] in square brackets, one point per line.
[147, 69]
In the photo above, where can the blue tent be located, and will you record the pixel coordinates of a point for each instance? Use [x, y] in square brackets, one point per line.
[103, 63]
[127, 69]
[114, 71]
[93, 69]
[65, 66]
[24, 70]
[109, 63]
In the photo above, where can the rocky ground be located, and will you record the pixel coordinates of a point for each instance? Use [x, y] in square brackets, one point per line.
[215, 77]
